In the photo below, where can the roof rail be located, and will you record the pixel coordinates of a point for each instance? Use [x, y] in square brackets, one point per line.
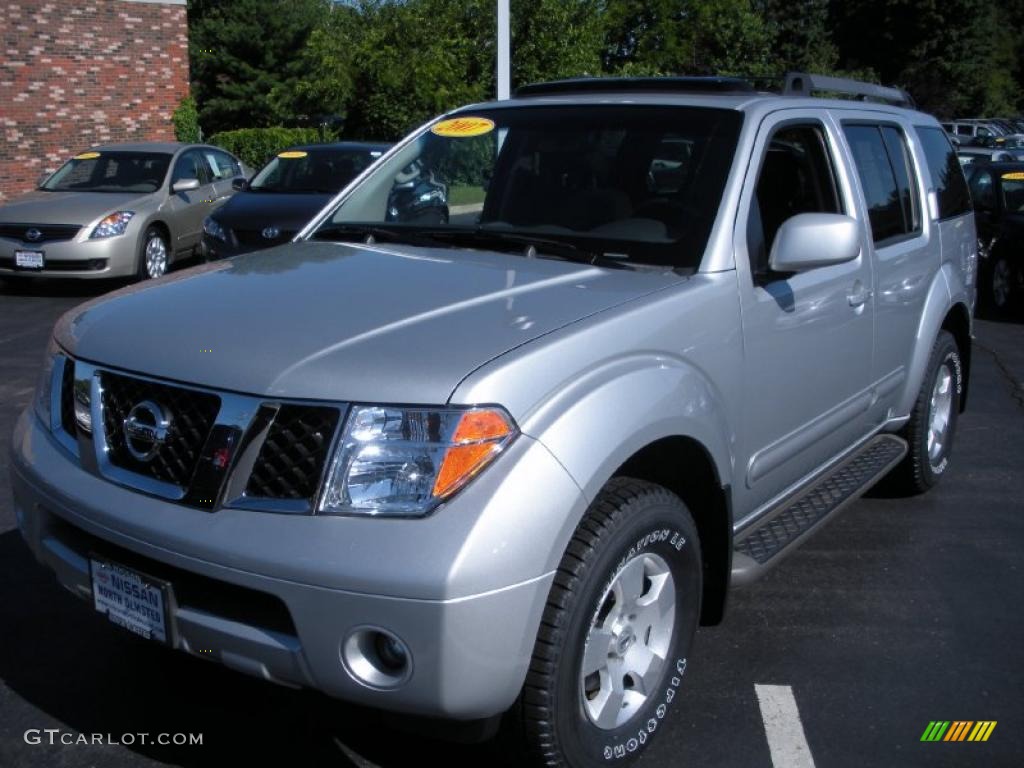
[805, 84]
[678, 84]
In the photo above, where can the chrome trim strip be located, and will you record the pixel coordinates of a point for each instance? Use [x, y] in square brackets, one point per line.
[67, 441]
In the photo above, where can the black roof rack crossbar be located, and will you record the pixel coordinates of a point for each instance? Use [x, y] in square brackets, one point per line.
[805, 84]
[696, 84]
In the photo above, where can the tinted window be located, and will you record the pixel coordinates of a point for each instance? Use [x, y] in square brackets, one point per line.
[110, 172]
[796, 177]
[982, 190]
[877, 180]
[903, 170]
[944, 169]
[313, 170]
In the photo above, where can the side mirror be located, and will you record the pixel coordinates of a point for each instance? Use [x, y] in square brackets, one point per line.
[239, 183]
[185, 185]
[811, 240]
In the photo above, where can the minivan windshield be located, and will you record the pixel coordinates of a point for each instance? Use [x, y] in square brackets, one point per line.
[107, 171]
[314, 169]
[617, 185]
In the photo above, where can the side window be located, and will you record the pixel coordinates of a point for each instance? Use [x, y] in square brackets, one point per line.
[947, 178]
[982, 190]
[963, 130]
[796, 177]
[222, 165]
[190, 165]
[887, 178]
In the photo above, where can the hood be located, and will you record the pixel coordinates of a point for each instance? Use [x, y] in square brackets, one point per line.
[339, 321]
[68, 207]
[255, 210]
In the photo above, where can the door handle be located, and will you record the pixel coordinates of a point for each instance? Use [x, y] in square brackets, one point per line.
[859, 295]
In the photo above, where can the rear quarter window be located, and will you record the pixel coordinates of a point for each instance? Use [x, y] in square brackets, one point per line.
[947, 177]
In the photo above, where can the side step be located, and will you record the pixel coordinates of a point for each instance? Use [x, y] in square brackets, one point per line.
[766, 542]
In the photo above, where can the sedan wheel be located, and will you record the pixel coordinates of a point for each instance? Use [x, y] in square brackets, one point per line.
[155, 255]
[1002, 283]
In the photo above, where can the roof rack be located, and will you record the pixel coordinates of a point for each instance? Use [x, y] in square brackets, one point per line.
[805, 84]
[678, 84]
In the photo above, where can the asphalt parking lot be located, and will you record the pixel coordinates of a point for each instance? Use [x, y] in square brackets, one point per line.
[901, 612]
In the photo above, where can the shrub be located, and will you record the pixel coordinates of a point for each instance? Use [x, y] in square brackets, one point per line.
[254, 146]
[186, 121]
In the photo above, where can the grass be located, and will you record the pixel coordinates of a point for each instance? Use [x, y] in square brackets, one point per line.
[461, 194]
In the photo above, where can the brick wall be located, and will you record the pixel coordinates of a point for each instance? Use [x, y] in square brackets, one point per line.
[74, 74]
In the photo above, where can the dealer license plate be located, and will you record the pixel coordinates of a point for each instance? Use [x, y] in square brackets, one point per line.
[28, 259]
[132, 600]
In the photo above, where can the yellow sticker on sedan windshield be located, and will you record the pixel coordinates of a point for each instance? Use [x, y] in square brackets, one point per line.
[463, 127]
[1015, 176]
[87, 156]
[293, 155]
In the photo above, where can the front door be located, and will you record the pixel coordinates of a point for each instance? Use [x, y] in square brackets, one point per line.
[189, 208]
[807, 336]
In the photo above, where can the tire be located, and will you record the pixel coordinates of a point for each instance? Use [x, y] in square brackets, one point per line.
[151, 265]
[634, 534]
[1000, 284]
[932, 424]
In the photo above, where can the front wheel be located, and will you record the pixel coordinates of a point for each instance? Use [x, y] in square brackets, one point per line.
[612, 649]
[1001, 284]
[155, 255]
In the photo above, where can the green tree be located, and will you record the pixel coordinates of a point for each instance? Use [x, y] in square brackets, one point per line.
[245, 60]
[800, 35]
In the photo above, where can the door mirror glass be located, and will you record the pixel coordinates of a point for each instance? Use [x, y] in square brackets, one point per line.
[239, 183]
[811, 240]
[184, 185]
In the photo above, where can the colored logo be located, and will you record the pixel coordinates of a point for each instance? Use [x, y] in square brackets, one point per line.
[958, 730]
[33, 235]
[270, 233]
[463, 127]
[145, 429]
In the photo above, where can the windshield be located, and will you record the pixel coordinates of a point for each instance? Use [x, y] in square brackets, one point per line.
[110, 172]
[324, 170]
[629, 183]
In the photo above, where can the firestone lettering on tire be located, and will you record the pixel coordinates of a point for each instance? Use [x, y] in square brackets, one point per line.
[618, 751]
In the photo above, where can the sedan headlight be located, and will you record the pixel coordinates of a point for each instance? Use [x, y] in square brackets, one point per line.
[213, 228]
[402, 462]
[44, 388]
[114, 224]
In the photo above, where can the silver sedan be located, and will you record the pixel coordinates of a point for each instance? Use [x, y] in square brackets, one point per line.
[120, 210]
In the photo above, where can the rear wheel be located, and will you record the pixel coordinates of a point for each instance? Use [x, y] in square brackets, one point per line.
[1001, 284]
[932, 424]
[613, 644]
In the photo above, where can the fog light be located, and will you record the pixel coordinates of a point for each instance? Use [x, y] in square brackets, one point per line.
[376, 658]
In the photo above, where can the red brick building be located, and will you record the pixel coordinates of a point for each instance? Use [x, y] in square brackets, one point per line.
[73, 74]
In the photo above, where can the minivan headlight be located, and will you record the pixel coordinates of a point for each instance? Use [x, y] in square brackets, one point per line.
[402, 462]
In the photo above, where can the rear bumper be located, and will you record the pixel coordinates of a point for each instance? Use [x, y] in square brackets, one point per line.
[469, 653]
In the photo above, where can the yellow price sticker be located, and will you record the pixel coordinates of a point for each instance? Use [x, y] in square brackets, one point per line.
[87, 156]
[294, 154]
[463, 127]
[1015, 176]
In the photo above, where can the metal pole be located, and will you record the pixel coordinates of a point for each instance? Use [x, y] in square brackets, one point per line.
[503, 50]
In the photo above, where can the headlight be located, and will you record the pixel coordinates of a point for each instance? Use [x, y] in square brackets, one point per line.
[111, 225]
[213, 228]
[404, 462]
[44, 388]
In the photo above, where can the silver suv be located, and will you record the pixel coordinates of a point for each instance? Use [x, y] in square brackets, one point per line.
[504, 464]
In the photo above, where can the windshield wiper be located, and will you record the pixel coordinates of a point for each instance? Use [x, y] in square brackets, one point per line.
[529, 245]
[367, 233]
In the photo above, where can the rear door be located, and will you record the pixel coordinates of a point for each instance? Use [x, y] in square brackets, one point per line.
[903, 247]
[807, 336]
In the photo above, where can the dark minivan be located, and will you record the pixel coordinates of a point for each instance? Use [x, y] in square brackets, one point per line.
[284, 195]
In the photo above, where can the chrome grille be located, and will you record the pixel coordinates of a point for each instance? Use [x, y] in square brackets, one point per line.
[192, 417]
[48, 233]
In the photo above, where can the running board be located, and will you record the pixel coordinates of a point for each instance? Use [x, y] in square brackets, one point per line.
[769, 540]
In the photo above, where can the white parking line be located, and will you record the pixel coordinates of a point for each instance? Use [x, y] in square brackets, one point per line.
[782, 726]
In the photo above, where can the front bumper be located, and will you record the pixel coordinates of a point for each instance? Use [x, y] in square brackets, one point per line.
[77, 258]
[277, 595]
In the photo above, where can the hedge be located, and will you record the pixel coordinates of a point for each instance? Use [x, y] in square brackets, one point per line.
[257, 145]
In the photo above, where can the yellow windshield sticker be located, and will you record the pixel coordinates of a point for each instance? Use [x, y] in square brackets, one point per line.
[463, 127]
[87, 156]
[1015, 176]
[295, 154]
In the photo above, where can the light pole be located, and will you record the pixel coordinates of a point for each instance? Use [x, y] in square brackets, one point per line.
[503, 50]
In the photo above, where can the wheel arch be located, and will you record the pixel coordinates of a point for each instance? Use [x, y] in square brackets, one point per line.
[958, 323]
[684, 466]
